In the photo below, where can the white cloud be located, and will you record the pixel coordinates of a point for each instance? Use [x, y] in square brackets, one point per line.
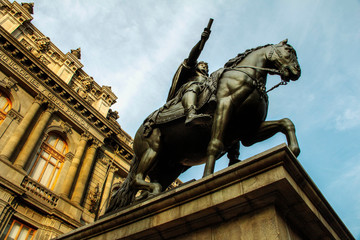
[348, 119]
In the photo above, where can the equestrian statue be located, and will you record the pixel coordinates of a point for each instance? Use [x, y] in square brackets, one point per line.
[206, 117]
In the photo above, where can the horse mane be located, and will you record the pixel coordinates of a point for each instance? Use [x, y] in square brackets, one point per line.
[234, 61]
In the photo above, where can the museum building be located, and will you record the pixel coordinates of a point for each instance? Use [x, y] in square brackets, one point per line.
[62, 152]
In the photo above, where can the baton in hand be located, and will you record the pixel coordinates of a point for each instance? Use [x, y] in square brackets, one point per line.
[207, 29]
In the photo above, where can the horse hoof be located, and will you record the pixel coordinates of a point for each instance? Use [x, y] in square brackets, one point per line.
[295, 151]
[143, 195]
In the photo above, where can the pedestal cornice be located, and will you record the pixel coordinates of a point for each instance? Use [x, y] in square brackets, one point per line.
[270, 182]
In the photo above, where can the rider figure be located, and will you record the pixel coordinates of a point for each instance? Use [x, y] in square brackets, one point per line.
[189, 77]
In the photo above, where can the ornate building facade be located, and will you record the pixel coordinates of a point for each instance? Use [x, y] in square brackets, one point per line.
[62, 151]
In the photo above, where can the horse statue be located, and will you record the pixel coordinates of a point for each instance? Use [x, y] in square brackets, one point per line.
[239, 115]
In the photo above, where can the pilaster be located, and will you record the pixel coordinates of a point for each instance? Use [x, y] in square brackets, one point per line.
[70, 176]
[84, 173]
[64, 170]
[106, 190]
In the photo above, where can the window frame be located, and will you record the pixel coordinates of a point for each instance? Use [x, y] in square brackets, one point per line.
[31, 229]
[52, 152]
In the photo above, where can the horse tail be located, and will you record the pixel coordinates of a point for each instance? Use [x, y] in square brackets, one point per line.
[126, 193]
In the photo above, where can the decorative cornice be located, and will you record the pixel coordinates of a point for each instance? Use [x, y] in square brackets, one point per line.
[41, 74]
[20, 13]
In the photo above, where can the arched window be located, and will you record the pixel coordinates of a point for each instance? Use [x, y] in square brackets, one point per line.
[49, 160]
[5, 106]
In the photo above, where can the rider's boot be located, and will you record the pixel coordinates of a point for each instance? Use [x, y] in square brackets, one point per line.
[192, 118]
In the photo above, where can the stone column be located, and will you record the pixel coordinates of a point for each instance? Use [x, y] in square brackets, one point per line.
[34, 137]
[64, 170]
[12, 144]
[70, 176]
[84, 172]
[107, 189]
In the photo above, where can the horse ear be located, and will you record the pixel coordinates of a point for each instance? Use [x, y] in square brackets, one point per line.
[284, 41]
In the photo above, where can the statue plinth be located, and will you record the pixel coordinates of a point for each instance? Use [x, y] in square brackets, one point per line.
[268, 196]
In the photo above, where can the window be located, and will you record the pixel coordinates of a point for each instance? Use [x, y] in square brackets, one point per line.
[5, 106]
[19, 231]
[49, 160]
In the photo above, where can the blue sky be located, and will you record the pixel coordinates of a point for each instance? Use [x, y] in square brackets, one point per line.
[136, 46]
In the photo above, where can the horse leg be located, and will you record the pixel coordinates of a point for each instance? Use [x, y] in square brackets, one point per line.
[269, 128]
[226, 99]
[234, 153]
[216, 146]
[147, 161]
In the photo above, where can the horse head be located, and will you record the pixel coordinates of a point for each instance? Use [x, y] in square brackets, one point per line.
[283, 57]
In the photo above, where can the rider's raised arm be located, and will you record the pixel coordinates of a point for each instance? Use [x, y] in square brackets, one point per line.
[196, 50]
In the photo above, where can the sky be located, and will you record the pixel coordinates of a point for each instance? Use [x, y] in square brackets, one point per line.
[136, 46]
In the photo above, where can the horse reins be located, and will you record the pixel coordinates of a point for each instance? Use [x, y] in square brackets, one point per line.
[275, 71]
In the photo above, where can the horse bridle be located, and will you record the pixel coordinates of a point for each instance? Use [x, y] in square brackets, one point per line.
[269, 70]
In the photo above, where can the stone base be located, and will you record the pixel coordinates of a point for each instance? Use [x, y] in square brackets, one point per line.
[268, 196]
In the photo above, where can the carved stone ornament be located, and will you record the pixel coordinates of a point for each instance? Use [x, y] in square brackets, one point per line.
[96, 144]
[29, 7]
[66, 127]
[43, 43]
[103, 158]
[113, 115]
[88, 83]
[86, 136]
[94, 198]
[69, 156]
[9, 83]
[76, 53]
[15, 115]
[51, 108]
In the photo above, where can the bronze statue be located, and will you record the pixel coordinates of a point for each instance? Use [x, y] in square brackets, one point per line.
[165, 146]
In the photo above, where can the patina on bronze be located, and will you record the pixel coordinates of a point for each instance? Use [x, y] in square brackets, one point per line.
[235, 97]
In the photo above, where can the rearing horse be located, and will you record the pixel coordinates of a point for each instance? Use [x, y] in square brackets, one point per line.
[240, 113]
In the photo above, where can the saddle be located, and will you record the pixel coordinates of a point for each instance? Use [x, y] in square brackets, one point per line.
[174, 110]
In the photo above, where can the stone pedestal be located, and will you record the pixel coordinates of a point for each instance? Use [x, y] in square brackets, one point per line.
[268, 196]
